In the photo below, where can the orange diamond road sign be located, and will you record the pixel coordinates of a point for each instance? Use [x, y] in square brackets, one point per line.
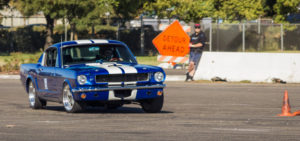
[173, 41]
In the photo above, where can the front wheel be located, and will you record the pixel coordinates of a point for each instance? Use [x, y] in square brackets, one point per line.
[70, 105]
[153, 105]
[34, 101]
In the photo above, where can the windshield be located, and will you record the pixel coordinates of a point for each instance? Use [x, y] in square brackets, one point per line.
[96, 54]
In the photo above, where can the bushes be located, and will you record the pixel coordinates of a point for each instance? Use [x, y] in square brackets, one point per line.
[32, 38]
[12, 62]
[22, 39]
[4, 41]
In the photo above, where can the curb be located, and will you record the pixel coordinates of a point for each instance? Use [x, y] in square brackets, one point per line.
[10, 77]
[168, 77]
[175, 77]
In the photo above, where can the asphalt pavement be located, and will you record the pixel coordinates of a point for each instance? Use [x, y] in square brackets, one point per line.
[192, 111]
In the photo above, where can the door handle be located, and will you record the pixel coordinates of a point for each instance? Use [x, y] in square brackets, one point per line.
[40, 69]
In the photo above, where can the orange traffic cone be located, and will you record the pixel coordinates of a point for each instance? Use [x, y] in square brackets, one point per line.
[297, 113]
[286, 108]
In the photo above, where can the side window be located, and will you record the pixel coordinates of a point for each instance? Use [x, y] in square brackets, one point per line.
[51, 56]
[55, 60]
[48, 58]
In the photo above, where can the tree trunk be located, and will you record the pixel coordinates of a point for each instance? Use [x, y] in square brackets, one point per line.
[158, 23]
[49, 28]
[93, 31]
[74, 35]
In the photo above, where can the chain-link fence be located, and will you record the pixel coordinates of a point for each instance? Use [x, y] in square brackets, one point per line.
[253, 37]
[243, 37]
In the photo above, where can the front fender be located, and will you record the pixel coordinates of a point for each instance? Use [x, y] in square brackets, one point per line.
[71, 83]
[28, 79]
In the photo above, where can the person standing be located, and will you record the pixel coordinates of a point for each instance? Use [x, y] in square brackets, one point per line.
[197, 43]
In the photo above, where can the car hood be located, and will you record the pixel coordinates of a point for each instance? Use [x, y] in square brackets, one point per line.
[113, 68]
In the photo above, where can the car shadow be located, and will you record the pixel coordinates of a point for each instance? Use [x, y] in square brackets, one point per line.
[102, 110]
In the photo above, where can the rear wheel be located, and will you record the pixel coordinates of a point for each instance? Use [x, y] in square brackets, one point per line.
[153, 105]
[34, 101]
[70, 105]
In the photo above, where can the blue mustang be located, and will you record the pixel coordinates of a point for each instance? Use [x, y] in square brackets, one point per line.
[95, 73]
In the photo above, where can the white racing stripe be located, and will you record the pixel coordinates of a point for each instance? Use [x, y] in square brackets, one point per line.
[100, 41]
[128, 69]
[111, 70]
[83, 41]
[108, 66]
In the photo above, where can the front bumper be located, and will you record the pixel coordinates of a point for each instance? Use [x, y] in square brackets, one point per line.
[116, 93]
[158, 86]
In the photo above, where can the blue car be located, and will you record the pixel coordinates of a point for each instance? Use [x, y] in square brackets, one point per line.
[92, 73]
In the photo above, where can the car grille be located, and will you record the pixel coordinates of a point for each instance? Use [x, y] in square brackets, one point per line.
[122, 77]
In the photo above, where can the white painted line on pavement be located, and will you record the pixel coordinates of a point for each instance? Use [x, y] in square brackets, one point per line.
[242, 130]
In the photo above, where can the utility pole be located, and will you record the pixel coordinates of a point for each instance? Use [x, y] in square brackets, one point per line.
[281, 34]
[210, 37]
[243, 37]
[142, 35]
[66, 29]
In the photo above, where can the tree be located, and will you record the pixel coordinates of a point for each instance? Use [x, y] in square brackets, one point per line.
[3, 3]
[102, 7]
[238, 10]
[268, 7]
[50, 8]
[129, 9]
[195, 10]
[284, 7]
[75, 11]
[163, 8]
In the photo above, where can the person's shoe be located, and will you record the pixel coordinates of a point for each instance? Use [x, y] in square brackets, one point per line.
[192, 78]
[187, 77]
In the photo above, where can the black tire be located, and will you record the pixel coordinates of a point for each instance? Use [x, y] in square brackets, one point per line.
[34, 101]
[70, 105]
[153, 105]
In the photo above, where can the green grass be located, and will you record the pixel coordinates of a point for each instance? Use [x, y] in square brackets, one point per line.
[148, 60]
[245, 81]
[286, 51]
[26, 57]
[32, 57]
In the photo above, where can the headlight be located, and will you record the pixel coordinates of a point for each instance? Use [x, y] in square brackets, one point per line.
[158, 76]
[81, 79]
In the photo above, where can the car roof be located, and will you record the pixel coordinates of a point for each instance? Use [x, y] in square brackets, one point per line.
[86, 42]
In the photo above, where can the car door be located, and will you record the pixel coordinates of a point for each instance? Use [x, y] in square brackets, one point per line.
[46, 75]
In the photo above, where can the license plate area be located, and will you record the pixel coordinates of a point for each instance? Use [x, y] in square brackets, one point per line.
[122, 93]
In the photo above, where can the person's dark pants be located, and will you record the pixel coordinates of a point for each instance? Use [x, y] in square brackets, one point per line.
[195, 57]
